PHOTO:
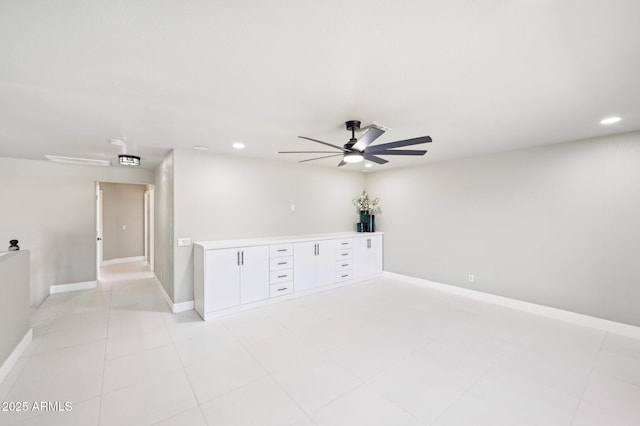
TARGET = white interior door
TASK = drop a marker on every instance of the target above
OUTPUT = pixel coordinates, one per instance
(146, 226)
(98, 229)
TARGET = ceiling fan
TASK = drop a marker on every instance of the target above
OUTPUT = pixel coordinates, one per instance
(357, 150)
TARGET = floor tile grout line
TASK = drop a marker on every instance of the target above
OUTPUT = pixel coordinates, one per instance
(586, 385)
(184, 371)
(266, 370)
(106, 344)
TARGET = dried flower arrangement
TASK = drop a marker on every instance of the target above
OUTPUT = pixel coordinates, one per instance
(363, 203)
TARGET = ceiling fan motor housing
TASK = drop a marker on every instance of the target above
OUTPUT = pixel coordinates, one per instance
(353, 125)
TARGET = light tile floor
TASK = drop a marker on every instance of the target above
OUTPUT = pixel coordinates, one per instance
(381, 352)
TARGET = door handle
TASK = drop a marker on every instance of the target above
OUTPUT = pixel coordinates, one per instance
(98, 239)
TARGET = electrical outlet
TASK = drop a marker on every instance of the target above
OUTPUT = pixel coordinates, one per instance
(472, 278)
(184, 242)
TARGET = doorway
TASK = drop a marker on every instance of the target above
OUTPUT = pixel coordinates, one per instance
(124, 231)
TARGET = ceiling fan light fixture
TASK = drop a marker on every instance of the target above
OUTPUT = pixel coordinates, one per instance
(353, 157)
(128, 160)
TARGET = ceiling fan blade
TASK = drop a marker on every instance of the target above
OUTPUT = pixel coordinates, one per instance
(369, 136)
(402, 152)
(374, 158)
(406, 142)
(323, 143)
(306, 152)
(342, 163)
(318, 158)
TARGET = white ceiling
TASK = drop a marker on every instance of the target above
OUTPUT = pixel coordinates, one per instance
(477, 76)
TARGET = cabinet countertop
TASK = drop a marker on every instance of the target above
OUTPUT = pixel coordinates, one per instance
(247, 242)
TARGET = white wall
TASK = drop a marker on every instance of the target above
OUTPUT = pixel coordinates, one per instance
(122, 205)
(556, 225)
(226, 197)
(163, 226)
(50, 208)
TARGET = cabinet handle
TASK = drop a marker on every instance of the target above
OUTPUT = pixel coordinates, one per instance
(282, 276)
(345, 254)
(282, 263)
(242, 258)
(283, 288)
(281, 250)
(345, 264)
(318, 249)
(344, 244)
(238, 261)
(345, 276)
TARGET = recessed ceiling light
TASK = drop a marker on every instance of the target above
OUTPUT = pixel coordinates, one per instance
(610, 120)
(201, 148)
(238, 145)
(129, 160)
(368, 165)
(78, 161)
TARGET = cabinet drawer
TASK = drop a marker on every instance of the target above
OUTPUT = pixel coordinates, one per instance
(281, 276)
(281, 289)
(342, 265)
(280, 250)
(343, 275)
(344, 244)
(343, 254)
(278, 263)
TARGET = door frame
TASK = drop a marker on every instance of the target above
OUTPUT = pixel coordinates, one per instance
(148, 231)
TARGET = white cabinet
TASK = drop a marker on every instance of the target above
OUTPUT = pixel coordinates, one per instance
(234, 276)
(314, 264)
(367, 256)
(240, 274)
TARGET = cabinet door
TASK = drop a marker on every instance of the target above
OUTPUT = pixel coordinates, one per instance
(222, 279)
(375, 255)
(367, 256)
(304, 266)
(360, 257)
(326, 262)
(254, 273)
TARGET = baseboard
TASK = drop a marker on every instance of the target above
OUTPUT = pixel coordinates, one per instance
(176, 308)
(546, 311)
(17, 352)
(63, 288)
(122, 260)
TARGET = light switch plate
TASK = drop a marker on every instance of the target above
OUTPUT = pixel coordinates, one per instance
(184, 242)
